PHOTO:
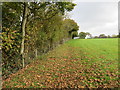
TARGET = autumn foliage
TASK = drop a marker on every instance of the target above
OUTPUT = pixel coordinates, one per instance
(32, 29)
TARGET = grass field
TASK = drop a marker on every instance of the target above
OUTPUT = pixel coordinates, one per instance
(80, 63)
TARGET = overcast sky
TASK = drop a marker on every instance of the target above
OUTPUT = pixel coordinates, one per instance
(96, 17)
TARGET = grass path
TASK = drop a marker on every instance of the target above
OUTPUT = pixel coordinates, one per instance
(75, 64)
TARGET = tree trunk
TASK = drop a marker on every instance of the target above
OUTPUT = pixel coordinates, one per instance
(23, 25)
(36, 53)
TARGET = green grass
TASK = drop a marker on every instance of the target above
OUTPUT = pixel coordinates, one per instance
(77, 63)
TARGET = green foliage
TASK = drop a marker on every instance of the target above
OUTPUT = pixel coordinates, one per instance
(45, 28)
(115, 36)
(118, 36)
(70, 26)
(74, 34)
(11, 38)
(108, 36)
(102, 36)
(82, 35)
(65, 6)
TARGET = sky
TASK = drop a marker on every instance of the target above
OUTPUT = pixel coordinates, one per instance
(96, 17)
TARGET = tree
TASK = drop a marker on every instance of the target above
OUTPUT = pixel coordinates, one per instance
(90, 35)
(82, 35)
(118, 36)
(70, 26)
(108, 36)
(33, 28)
(114, 36)
(23, 25)
(96, 37)
(74, 34)
(102, 36)
(11, 37)
(48, 9)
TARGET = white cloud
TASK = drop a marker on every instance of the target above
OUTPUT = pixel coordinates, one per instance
(96, 18)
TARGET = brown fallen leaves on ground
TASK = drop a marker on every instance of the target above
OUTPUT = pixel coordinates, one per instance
(63, 69)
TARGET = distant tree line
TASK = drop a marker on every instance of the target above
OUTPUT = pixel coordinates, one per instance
(107, 36)
(31, 29)
(83, 35)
